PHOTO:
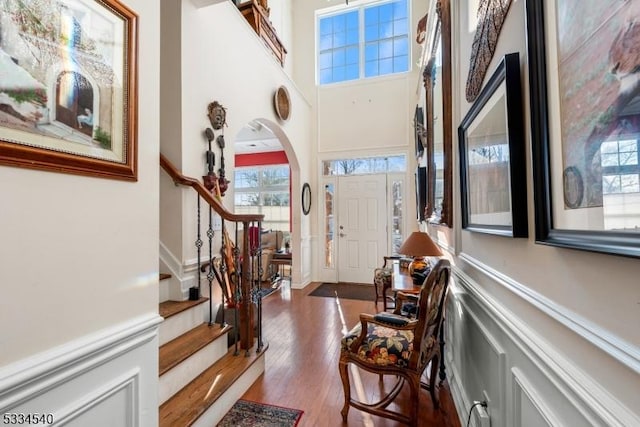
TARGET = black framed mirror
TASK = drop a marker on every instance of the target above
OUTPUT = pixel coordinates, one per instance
(438, 121)
(306, 198)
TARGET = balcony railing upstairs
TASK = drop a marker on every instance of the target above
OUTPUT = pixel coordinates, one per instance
(237, 271)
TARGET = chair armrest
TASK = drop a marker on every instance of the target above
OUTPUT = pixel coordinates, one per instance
(366, 319)
(391, 319)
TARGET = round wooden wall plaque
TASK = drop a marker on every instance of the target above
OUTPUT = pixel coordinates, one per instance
(282, 103)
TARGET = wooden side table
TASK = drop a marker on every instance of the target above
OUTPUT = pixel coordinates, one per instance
(280, 260)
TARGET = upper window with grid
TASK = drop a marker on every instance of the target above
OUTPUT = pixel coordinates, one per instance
(367, 41)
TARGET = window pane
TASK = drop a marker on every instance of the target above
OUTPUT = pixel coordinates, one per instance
(400, 64)
(400, 27)
(371, 68)
(339, 74)
(371, 16)
(370, 33)
(352, 37)
(609, 147)
(353, 71)
(386, 30)
(629, 145)
(339, 23)
(339, 57)
(371, 52)
(352, 55)
(400, 9)
(326, 76)
(396, 164)
(247, 199)
(339, 39)
(386, 49)
(386, 66)
(328, 225)
(630, 183)
(325, 60)
(386, 12)
(246, 178)
(326, 42)
(628, 159)
(400, 47)
(326, 26)
(352, 20)
(609, 159)
(610, 184)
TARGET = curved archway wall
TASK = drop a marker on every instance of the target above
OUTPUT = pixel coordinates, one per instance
(294, 183)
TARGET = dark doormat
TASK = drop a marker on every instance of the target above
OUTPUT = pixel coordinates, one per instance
(360, 291)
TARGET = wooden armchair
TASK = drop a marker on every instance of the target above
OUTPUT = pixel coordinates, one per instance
(400, 346)
(382, 278)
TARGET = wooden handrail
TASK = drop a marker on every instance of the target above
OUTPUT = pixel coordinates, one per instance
(178, 178)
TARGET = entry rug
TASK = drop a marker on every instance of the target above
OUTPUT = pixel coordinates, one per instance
(244, 413)
(360, 291)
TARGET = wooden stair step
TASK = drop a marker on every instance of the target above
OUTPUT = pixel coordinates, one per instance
(170, 308)
(179, 349)
(186, 406)
(164, 276)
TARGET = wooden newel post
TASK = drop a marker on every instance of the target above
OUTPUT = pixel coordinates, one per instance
(246, 307)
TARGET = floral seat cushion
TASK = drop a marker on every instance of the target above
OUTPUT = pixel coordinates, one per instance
(382, 346)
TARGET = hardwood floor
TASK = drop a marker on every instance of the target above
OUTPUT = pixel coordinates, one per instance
(304, 334)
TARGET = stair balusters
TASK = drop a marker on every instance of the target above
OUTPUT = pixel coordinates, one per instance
(244, 289)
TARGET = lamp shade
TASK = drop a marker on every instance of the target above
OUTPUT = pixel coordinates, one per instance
(419, 244)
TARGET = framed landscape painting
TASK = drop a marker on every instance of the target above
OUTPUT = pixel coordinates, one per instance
(68, 83)
(585, 123)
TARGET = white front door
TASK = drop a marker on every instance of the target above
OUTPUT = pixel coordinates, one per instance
(362, 226)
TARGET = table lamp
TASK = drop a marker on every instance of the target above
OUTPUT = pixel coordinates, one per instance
(418, 246)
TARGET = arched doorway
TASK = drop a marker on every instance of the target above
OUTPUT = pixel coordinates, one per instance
(273, 138)
(74, 101)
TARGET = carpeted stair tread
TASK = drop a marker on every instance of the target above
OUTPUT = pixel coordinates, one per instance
(170, 308)
(187, 405)
(180, 348)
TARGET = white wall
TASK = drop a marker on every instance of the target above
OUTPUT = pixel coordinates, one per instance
(550, 333)
(79, 256)
(222, 59)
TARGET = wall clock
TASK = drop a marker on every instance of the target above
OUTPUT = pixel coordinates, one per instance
(306, 198)
(282, 103)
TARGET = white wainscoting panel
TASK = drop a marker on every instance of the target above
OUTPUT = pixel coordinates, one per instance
(527, 382)
(529, 407)
(108, 378)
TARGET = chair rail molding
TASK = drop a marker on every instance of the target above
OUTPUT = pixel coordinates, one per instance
(606, 341)
(28, 379)
(588, 398)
